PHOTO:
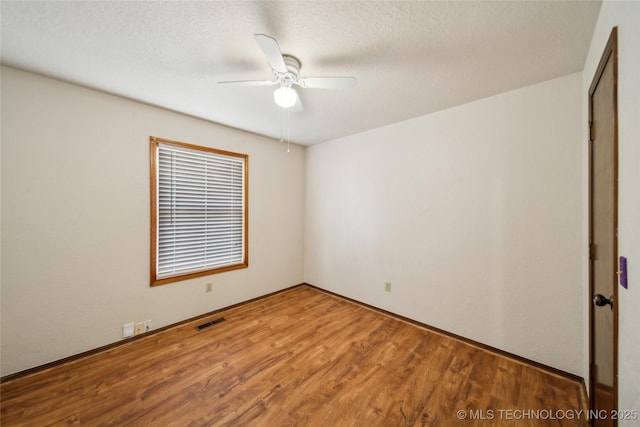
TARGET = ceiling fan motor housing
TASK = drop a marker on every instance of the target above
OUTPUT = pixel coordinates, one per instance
(293, 70)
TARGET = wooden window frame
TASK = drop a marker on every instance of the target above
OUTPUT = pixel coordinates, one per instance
(155, 280)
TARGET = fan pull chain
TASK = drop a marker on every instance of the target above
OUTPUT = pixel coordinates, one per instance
(281, 126)
(282, 123)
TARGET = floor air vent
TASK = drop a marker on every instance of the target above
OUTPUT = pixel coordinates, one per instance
(210, 324)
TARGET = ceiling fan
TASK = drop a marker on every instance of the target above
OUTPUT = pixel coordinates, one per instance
(286, 71)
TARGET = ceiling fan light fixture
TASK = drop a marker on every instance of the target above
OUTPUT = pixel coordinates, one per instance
(285, 96)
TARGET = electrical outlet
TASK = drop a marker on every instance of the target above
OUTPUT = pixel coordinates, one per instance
(139, 328)
(209, 287)
(387, 286)
(127, 330)
(147, 325)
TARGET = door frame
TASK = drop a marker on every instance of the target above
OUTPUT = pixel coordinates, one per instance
(610, 52)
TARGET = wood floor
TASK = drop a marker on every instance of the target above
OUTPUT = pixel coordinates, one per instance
(301, 357)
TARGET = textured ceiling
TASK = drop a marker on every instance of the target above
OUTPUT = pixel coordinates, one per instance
(410, 58)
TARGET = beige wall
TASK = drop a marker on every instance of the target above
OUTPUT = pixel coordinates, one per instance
(473, 213)
(75, 219)
(626, 16)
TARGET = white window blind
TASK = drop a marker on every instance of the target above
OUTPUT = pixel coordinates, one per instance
(200, 210)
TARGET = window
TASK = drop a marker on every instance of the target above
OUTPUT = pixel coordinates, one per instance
(198, 211)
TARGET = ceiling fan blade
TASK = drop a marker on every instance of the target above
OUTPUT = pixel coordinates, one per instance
(327, 82)
(249, 83)
(271, 50)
